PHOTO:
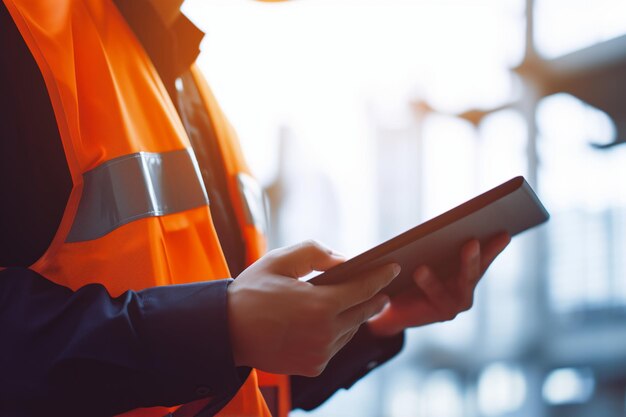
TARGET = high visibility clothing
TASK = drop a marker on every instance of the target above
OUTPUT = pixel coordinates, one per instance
(138, 213)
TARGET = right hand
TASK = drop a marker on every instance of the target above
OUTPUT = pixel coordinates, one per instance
(282, 325)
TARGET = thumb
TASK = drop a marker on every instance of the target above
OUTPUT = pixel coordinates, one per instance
(303, 258)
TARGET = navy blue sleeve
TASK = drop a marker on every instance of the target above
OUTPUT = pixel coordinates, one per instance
(85, 353)
(361, 355)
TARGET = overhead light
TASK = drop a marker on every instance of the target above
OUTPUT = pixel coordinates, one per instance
(568, 386)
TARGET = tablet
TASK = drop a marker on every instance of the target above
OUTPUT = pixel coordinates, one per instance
(511, 207)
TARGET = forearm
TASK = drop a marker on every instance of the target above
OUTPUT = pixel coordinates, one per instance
(85, 353)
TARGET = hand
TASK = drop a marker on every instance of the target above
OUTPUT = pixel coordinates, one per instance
(282, 325)
(434, 298)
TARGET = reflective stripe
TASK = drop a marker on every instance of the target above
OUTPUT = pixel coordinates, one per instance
(136, 186)
(254, 200)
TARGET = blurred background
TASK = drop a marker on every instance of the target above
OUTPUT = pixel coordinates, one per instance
(363, 118)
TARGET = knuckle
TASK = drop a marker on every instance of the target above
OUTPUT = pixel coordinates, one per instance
(364, 315)
(275, 254)
(370, 286)
(320, 369)
(278, 251)
(450, 315)
(317, 309)
(347, 337)
(321, 308)
(369, 312)
(313, 371)
(311, 245)
(334, 304)
(305, 369)
(324, 335)
(315, 365)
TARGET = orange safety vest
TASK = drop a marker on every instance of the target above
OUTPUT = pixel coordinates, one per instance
(138, 213)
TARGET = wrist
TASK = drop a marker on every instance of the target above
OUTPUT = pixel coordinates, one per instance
(235, 342)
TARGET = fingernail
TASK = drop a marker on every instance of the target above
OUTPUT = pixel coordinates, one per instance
(336, 254)
(396, 269)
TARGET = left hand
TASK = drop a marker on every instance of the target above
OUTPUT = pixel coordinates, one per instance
(434, 298)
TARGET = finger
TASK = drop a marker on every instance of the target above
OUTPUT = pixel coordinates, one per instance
(392, 321)
(360, 288)
(359, 314)
(436, 292)
(470, 264)
(344, 340)
(303, 258)
(493, 248)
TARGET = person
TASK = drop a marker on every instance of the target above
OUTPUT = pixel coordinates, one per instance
(127, 209)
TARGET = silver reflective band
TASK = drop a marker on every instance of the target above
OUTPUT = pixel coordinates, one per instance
(254, 200)
(136, 186)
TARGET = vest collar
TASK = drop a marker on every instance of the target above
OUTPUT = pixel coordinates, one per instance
(172, 49)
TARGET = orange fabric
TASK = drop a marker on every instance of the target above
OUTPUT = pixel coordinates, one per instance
(256, 244)
(174, 249)
(284, 390)
(108, 102)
